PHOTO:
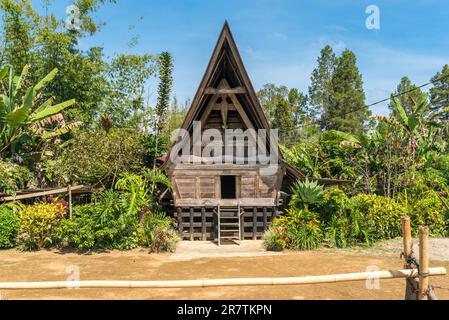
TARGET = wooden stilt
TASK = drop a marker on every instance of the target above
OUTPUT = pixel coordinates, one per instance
(423, 262)
(191, 224)
(203, 224)
(179, 216)
(254, 223)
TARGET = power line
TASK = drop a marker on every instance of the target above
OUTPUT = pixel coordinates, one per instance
(408, 91)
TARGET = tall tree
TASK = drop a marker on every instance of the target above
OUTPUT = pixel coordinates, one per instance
(298, 102)
(408, 95)
(267, 97)
(44, 42)
(283, 119)
(319, 90)
(165, 64)
(439, 93)
(127, 77)
(347, 110)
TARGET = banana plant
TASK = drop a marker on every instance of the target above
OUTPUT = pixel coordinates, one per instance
(19, 114)
(419, 124)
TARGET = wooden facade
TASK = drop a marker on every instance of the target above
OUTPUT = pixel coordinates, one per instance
(236, 198)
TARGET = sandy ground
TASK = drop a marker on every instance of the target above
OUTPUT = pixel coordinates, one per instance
(202, 261)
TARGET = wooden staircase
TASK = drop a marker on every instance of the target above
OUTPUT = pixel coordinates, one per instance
(229, 225)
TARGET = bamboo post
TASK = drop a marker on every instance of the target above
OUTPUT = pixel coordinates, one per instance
(411, 285)
(423, 262)
(407, 237)
(348, 277)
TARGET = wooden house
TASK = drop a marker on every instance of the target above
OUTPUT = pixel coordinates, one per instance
(234, 200)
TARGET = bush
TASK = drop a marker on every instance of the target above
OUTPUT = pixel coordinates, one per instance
(13, 177)
(38, 225)
(299, 229)
(9, 228)
(97, 156)
(382, 215)
(275, 239)
(100, 225)
(159, 233)
(429, 210)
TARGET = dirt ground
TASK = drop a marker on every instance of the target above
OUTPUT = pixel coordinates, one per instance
(244, 262)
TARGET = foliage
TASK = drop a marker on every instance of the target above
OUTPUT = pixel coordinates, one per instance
(159, 233)
(25, 117)
(383, 215)
(165, 66)
(13, 177)
(320, 88)
(347, 110)
(9, 228)
(38, 225)
(299, 229)
(121, 218)
(306, 193)
(98, 157)
(128, 75)
(429, 210)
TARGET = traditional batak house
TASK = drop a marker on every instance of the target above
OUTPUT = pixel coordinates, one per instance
(226, 196)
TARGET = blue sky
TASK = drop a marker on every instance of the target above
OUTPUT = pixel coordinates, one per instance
(281, 40)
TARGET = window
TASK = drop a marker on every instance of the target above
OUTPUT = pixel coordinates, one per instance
(228, 187)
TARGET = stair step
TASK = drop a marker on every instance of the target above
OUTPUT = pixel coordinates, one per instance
(230, 230)
(229, 224)
(229, 237)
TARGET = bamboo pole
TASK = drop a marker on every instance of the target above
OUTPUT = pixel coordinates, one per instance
(411, 284)
(362, 276)
(407, 237)
(423, 262)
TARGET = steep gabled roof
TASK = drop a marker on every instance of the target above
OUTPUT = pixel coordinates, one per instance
(226, 63)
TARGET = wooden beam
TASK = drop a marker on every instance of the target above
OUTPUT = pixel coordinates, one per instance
(45, 193)
(237, 90)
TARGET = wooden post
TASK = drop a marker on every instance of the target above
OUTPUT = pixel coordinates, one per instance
(69, 190)
(180, 226)
(191, 224)
(407, 238)
(265, 219)
(411, 285)
(203, 223)
(423, 262)
(254, 223)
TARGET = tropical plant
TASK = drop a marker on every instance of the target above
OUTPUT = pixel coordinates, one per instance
(25, 117)
(38, 225)
(9, 228)
(306, 193)
(159, 233)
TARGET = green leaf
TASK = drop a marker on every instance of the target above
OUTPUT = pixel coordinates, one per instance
(49, 77)
(17, 117)
(50, 110)
(3, 72)
(18, 81)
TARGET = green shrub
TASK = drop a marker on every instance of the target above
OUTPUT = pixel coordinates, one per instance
(98, 156)
(299, 229)
(275, 239)
(429, 210)
(382, 215)
(13, 177)
(159, 233)
(100, 225)
(38, 225)
(9, 228)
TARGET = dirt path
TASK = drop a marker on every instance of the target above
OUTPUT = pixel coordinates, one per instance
(139, 265)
